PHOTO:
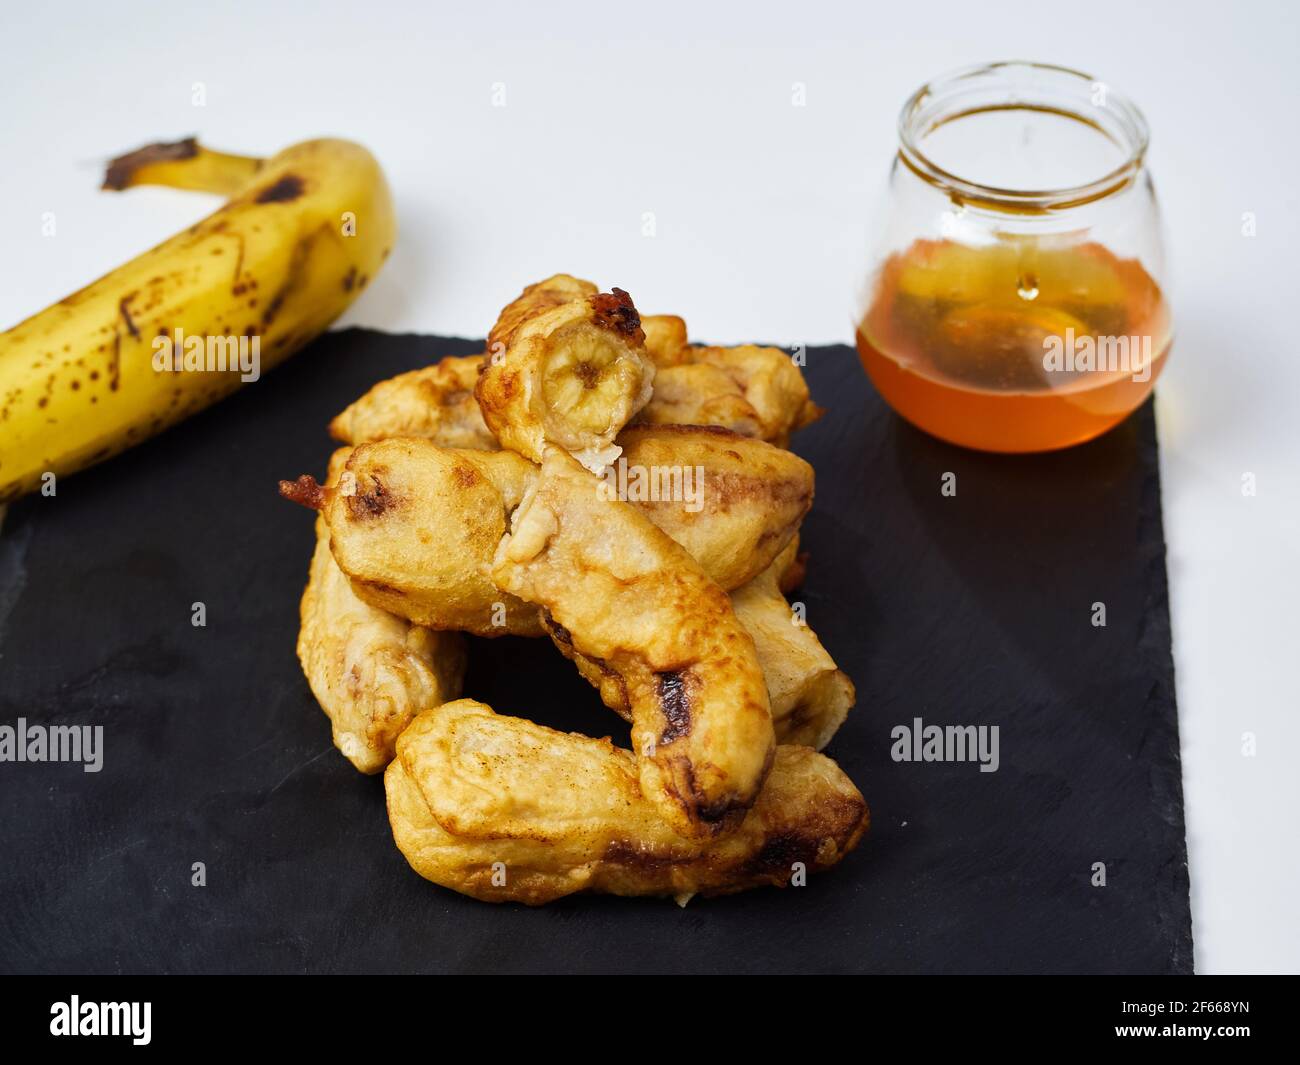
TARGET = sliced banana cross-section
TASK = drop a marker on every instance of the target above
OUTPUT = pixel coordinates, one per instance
(566, 365)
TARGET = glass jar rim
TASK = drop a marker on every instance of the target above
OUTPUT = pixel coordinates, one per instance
(1108, 111)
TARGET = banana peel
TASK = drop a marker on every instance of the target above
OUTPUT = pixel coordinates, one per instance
(301, 236)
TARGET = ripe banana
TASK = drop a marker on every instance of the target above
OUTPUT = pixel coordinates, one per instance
(566, 365)
(302, 235)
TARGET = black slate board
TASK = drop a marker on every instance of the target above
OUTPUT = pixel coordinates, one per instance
(973, 609)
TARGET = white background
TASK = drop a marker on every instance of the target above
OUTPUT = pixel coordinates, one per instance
(684, 110)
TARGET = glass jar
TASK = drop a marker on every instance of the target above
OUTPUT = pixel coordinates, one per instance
(1015, 295)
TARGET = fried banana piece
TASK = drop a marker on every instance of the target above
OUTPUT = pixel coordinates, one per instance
(371, 671)
(427, 558)
(756, 392)
(773, 384)
(810, 696)
(436, 402)
(700, 394)
(665, 339)
(628, 597)
(567, 366)
(504, 810)
(536, 299)
(751, 498)
(415, 526)
(752, 390)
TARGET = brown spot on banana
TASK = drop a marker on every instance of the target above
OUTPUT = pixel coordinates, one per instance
(287, 189)
(107, 329)
(124, 309)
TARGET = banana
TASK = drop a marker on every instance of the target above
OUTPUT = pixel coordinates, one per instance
(566, 365)
(436, 402)
(185, 324)
(665, 339)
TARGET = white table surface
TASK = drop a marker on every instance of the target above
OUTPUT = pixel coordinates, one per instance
(684, 110)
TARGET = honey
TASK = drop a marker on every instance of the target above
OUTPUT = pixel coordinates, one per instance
(1025, 344)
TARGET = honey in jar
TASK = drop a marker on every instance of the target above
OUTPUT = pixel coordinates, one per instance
(1021, 345)
(1014, 298)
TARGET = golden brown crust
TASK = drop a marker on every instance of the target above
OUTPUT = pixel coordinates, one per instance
(537, 298)
(630, 583)
(566, 366)
(370, 670)
(418, 534)
(418, 526)
(501, 809)
(699, 394)
(630, 597)
(755, 391)
(436, 402)
(753, 496)
(810, 696)
(773, 384)
(665, 338)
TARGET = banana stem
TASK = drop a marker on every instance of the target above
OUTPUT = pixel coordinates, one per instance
(183, 164)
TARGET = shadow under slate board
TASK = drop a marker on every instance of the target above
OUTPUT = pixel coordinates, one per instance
(973, 609)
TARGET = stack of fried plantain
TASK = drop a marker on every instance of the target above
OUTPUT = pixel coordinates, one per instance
(592, 478)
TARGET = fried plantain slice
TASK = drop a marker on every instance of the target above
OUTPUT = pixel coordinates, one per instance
(502, 809)
(625, 595)
(753, 390)
(757, 392)
(436, 402)
(418, 534)
(750, 497)
(566, 366)
(414, 526)
(809, 694)
(700, 394)
(370, 670)
(665, 338)
(538, 298)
